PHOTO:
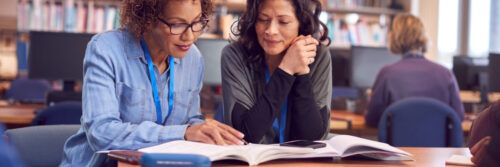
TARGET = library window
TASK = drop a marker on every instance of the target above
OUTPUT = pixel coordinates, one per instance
(448, 26)
(495, 27)
(479, 28)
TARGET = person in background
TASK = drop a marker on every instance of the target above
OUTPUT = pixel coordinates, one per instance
(413, 75)
(276, 77)
(142, 82)
(484, 140)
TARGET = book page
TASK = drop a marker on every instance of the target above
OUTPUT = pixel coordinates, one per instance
(252, 153)
(349, 145)
(327, 151)
(213, 152)
(263, 153)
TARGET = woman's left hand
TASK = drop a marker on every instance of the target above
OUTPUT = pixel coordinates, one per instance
(299, 55)
(479, 150)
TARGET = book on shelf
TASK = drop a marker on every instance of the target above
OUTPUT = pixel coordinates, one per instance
(363, 32)
(337, 147)
(356, 3)
(82, 16)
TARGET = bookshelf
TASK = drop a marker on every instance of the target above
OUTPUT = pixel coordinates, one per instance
(361, 22)
(73, 16)
(365, 10)
(232, 5)
(7, 23)
(8, 61)
(78, 16)
(350, 22)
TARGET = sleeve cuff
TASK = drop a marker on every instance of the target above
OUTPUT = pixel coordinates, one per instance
(172, 132)
(195, 121)
(284, 74)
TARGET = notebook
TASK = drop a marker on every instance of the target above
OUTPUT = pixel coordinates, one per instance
(459, 160)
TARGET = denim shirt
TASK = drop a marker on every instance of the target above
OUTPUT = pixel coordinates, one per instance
(118, 107)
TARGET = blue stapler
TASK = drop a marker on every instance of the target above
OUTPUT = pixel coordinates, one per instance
(174, 160)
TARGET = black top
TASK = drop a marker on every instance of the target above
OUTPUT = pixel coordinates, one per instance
(251, 105)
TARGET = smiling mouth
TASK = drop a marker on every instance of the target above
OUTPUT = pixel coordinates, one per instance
(183, 47)
(272, 42)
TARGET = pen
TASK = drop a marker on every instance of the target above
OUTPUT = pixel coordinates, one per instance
(244, 142)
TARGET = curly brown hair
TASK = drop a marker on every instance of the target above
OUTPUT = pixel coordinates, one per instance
(138, 16)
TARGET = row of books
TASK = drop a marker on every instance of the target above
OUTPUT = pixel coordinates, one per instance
(363, 32)
(356, 3)
(82, 16)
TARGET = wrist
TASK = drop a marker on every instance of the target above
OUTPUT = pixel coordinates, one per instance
(285, 69)
(186, 132)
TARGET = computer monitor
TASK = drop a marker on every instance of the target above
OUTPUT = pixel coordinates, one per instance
(471, 73)
(366, 62)
(57, 55)
(211, 49)
(340, 66)
(494, 72)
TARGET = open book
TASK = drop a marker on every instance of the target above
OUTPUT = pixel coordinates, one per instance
(254, 154)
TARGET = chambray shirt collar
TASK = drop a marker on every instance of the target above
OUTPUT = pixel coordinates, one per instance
(134, 51)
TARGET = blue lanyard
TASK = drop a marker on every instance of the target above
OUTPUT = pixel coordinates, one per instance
(154, 86)
(280, 127)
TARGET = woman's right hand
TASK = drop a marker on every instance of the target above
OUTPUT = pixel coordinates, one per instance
(214, 132)
(299, 55)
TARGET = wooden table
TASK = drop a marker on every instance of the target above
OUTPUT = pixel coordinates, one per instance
(18, 114)
(424, 156)
(474, 96)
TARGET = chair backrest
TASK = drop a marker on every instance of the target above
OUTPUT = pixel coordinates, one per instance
(28, 90)
(54, 97)
(41, 145)
(8, 154)
(66, 112)
(420, 122)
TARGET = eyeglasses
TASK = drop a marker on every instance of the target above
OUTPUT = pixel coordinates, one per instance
(179, 28)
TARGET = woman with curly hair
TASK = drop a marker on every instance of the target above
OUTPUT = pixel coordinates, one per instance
(142, 83)
(276, 77)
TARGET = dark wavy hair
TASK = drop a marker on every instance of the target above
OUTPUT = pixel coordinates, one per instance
(139, 16)
(307, 12)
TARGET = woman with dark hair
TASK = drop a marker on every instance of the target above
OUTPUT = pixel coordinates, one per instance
(276, 77)
(142, 82)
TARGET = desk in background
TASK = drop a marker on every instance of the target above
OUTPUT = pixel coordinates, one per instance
(424, 156)
(18, 115)
(345, 122)
(474, 96)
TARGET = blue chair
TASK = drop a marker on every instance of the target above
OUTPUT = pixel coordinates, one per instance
(8, 154)
(66, 112)
(28, 90)
(41, 146)
(54, 97)
(420, 122)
